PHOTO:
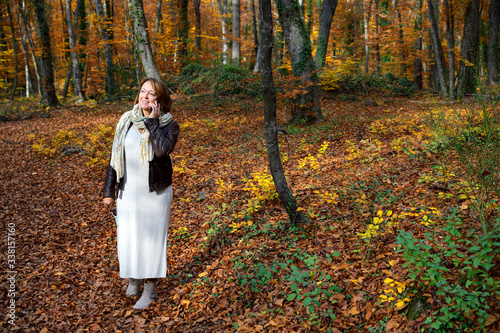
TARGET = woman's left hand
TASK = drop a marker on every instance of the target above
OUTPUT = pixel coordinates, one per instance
(154, 110)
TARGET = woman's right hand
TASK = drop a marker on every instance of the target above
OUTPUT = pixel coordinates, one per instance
(108, 201)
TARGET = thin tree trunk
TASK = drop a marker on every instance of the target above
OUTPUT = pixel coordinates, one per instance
(269, 93)
(417, 62)
(157, 23)
(108, 54)
(365, 30)
(450, 37)
(183, 30)
(142, 39)
(77, 75)
(438, 50)
(493, 48)
(197, 13)
(44, 35)
(255, 36)
(325, 23)
(468, 72)
(225, 43)
(69, 73)
(400, 40)
(236, 45)
(303, 66)
(24, 47)
(16, 50)
(377, 32)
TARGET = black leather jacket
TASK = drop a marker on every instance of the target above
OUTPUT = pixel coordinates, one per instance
(160, 168)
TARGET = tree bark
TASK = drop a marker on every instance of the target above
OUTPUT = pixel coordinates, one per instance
(269, 93)
(402, 68)
(325, 23)
(377, 32)
(417, 62)
(236, 45)
(77, 75)
(108, 54)
(197, 12)
(44, 36)
(255, 36)
(183, 30)
(365, 31)
(468, 72)
(493, 48)
(142, 39)
(450, 37)
(225, 43)
(438, 50)
(16, 50)
(157, 23)
(299, 50)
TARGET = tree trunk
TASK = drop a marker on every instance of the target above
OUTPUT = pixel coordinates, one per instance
(325, 23)
(450, 37)
(417, 62)
(77, 75)
(108, 54)
(157, 23)
(493, 49)
(255, 36)
(236, 45)
(69, 73)
(225, 43)
(377, 32)
(24, 47)
(402, 68)
(183, 30)
(142, 39)
(44, 35)
(16, 50)
(468, 72)
(299, 50)
(438, 50)
(269, 93)
(197, 4)
(365, 30)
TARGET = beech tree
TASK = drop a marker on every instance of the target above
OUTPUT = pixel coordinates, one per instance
(142, 39)
(236, 47)
(44, 36)
(266, 37)
(493, 49)
(303, 66)
(108, 55)
(77, 75)
(325, 23)
(438, 50)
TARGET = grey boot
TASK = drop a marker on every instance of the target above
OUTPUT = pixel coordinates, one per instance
(133, 287)
(148, 295)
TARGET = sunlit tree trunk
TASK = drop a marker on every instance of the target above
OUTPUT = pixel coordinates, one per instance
(142, 39)
(197, 12)
(493, 47)
(108, 54)
(30, 45)
(236, 45)
(325, 23)
(271, 128)
(225, 43)
(44, 36)
(365, 30)
(157, 23)
(417, 62)
(77, 75)
(469, 54)
(450, 37)
(438, 50)
(303, 66)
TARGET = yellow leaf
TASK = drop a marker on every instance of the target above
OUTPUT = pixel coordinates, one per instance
(388, 280)
(203, 274)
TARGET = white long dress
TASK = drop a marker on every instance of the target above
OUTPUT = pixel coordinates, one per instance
(142, 217)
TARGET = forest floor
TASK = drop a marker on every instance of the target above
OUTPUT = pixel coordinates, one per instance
(235, 262)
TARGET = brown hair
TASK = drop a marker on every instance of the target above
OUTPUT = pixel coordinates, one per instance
(162, 92)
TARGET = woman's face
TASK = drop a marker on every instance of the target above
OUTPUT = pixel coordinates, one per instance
(147, 96)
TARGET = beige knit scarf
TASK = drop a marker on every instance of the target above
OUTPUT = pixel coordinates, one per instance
(118, 151)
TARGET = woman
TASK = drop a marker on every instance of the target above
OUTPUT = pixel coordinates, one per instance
(141, 170)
